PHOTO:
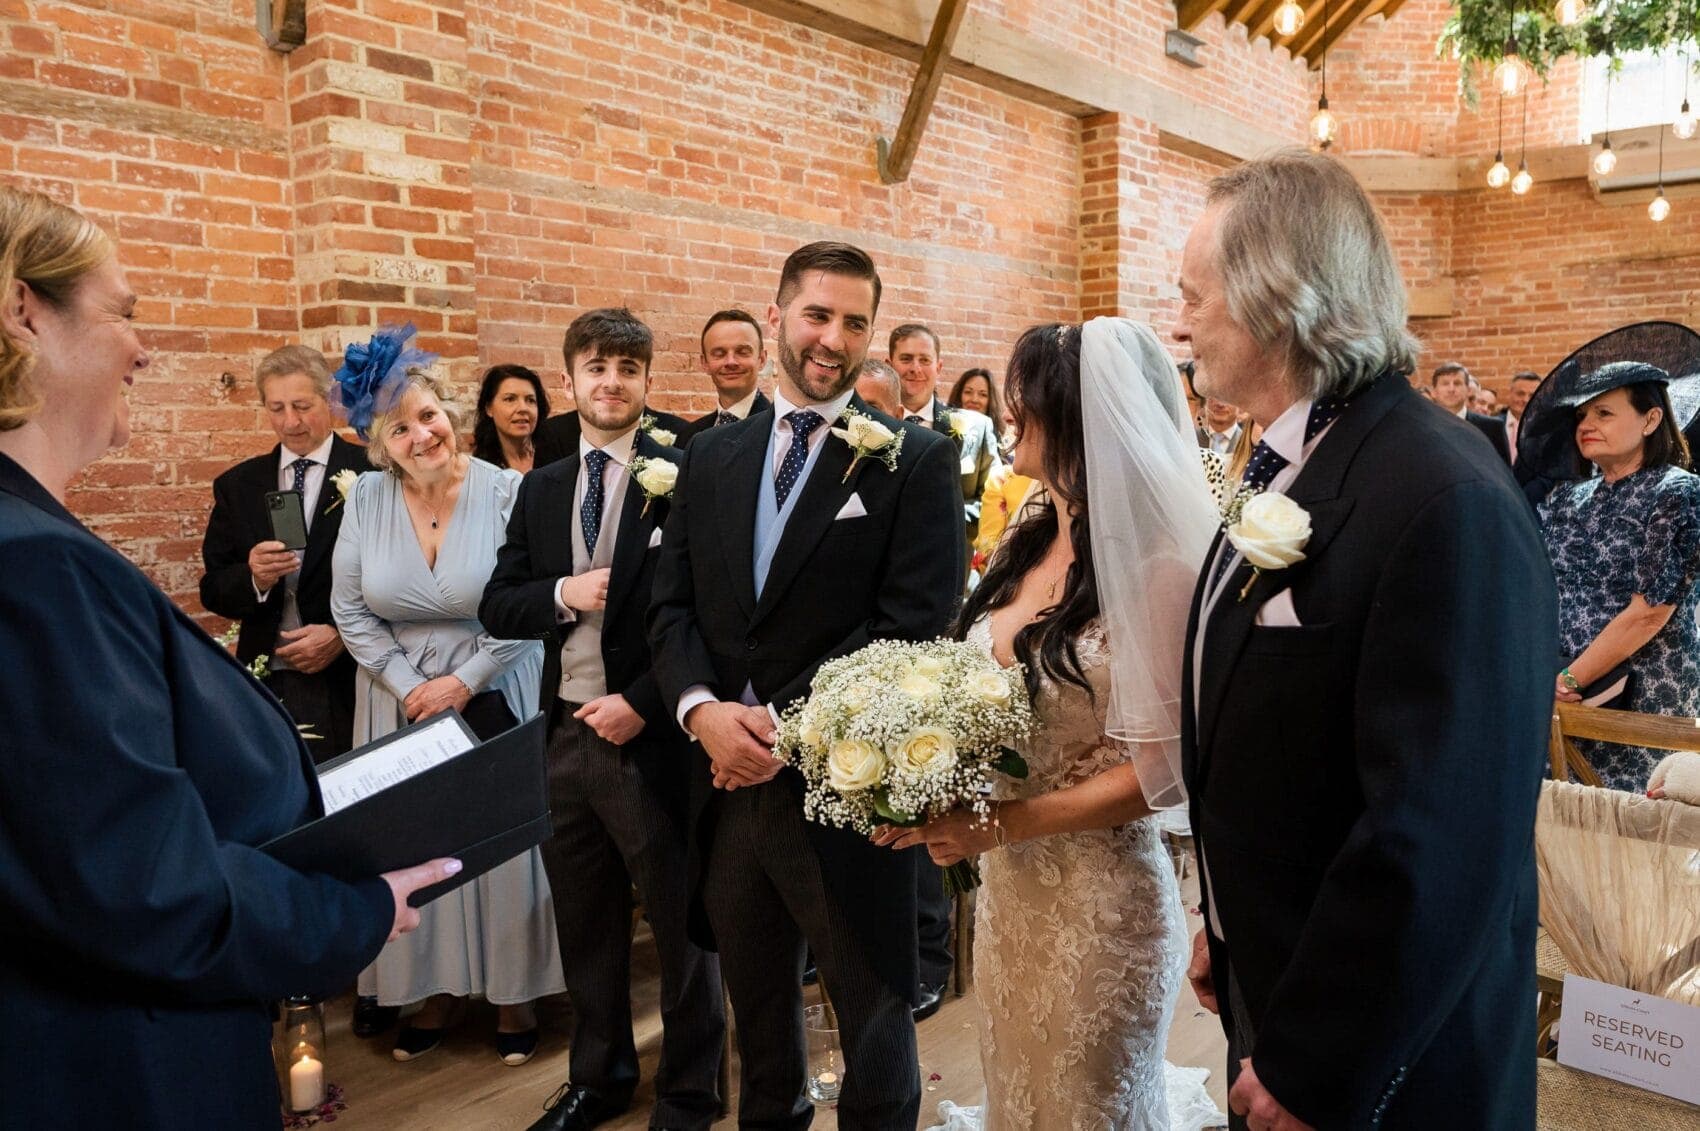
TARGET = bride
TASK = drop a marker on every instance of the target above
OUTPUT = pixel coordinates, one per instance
(1080, 937)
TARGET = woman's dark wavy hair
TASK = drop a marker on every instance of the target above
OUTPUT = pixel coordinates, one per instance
(1042, 382)
(994, 405)
(1666, 447)
(486, 444)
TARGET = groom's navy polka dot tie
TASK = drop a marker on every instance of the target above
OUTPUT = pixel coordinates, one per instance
(803, 422)
(1266, 463)
(590, 511)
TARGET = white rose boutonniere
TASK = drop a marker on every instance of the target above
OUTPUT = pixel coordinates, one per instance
(656, 478)
(853, 764)
(1271, 531)
(958, 424)
(647, 424)
(868, 437)
(343, 481)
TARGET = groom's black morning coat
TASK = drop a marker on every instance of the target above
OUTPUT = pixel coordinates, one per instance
(1363, 786)
(835, 585)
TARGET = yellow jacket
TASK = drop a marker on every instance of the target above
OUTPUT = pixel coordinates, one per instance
(1005, 492)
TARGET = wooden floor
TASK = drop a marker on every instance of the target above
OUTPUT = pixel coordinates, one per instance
(463, 1086)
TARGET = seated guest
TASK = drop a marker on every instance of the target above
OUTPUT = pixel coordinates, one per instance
(143, 927)
(878, 384)
(1625, 546)
(576, 571)
(418, 543)
(975, 392)
(733, 357)
(510, 403)
(1449, 387)
(1220, 427)
(281, 596)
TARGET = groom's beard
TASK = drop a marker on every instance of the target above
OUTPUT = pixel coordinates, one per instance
(819, 390)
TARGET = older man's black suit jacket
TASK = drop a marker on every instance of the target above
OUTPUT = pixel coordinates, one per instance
(835, 585)
(1363, 785)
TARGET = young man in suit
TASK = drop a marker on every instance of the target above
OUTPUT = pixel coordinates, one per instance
(557, 438)
(282, 597)
(576, 571)
(733, 357)
(1450, 383)
(1364, 821)
(776, 558)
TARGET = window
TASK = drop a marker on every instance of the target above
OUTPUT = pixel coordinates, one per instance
(1647, 91)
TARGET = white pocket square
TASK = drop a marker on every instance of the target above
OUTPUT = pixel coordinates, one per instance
(1278, 611)
(852, 508)
(655, 538)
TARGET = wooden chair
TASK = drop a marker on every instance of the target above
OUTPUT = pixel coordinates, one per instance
(1573, 720)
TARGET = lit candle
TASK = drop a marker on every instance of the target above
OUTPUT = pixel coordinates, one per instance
(306, 1084)
(827, 1078)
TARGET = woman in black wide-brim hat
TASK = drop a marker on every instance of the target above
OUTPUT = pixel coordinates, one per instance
(1622, 524)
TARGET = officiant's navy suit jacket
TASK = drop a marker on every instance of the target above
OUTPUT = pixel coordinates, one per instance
(1363, 784)
(141, 932)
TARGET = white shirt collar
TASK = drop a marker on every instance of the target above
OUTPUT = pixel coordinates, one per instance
(742, 408)
(320, 455)
(1286, 433)
(619, 450)
(926, 412)
(1463, 412)
(831, 410)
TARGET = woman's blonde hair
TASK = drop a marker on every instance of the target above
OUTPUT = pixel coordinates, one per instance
(377, 454)
(50, 248)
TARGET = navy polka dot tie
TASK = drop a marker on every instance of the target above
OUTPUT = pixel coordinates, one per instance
(725, 418)
(916, 418)
(590, 511)
(299, 467)
(1266, 463)
(803, 422)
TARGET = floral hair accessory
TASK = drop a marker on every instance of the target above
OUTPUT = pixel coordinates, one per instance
(373, 375)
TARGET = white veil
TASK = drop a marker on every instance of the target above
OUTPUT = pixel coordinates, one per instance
(1152, 522)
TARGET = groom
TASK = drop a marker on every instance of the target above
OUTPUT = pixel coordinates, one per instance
(778, 556)
(1365, 819)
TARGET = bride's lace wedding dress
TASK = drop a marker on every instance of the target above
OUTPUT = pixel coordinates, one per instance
(1079, 951)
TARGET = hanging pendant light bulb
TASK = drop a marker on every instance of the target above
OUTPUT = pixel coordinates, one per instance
(1685, 122)
(1522, 182)
(1659, 209)
(1289, 18)
(1605, 160)
(1499, 176)
(1569, 12)
(1324, 127)
(1511, 74)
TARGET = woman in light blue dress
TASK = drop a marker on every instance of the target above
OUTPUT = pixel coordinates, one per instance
(418, 543)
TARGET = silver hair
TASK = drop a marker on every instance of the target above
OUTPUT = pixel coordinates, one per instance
(1308, 271)
(880, 371)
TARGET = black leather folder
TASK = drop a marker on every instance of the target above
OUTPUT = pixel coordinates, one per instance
(483, 807)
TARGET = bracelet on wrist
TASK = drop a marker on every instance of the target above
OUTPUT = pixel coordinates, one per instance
(997, 825)
(1569, 681)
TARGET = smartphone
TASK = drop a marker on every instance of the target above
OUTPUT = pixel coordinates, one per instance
(289, 523)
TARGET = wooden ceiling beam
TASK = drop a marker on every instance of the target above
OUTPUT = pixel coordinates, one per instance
(896, 156)
(1190, 13)
(1364, 10)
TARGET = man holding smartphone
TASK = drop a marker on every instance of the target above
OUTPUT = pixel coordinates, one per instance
(268, 549)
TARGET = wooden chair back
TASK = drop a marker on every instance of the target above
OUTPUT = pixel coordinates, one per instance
(1573, 720)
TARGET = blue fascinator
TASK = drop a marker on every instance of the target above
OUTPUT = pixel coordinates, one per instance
(373, 375)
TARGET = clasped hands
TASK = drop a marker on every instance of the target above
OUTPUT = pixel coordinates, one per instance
(738, 740)
(949, 839)
(444, 693)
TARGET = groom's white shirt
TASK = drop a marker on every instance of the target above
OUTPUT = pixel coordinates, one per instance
(781, 440)
(1286, 434)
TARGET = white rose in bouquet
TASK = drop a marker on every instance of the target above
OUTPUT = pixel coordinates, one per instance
(930, 666)
(856, 698)
(1272, 531)
(917, 686)
(809, 731)
(924, 750)
(853, 764)
(992, 687)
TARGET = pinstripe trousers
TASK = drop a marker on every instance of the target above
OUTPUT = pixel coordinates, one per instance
(765, 896)
(611, 832)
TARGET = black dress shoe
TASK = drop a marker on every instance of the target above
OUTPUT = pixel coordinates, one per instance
(574, 1107)
(370, 1018)
(928, 1004)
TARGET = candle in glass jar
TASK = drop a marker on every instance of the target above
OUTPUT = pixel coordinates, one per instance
(306, 1084)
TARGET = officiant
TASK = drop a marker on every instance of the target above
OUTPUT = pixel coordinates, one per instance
(143, 930)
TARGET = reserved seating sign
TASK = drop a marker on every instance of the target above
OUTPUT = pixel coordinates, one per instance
(1641, 1039)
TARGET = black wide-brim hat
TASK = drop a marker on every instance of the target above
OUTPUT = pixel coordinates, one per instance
(1666, 352)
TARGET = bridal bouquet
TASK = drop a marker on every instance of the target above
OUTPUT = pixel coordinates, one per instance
(901, 732)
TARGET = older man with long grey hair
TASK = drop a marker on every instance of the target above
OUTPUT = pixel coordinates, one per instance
(1364, 820)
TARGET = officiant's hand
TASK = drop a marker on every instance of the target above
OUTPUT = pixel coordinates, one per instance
(1263, 1111)
(585, 592)
(406, 881)
(1198, 973)
(948, 839)
(612, 718)
(738, 741)
(444, 693)
(310, 648)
